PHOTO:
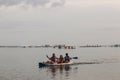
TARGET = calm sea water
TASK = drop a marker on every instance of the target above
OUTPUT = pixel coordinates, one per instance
(22, 64)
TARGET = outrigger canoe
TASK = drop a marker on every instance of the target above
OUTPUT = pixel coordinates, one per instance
(43, 64)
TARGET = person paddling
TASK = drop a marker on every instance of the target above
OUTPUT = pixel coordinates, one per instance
(53, 58)
(67, 58)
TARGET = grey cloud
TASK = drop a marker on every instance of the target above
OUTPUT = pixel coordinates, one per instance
(60, 3)
(31, 2)
(17, 2)
(37, 2)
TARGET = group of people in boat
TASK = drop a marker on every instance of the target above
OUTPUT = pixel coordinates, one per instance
(61, 59)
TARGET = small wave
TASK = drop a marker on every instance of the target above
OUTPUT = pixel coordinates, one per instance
(86, 63)
(113, 60)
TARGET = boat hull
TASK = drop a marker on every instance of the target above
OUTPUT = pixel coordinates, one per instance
(43, 64)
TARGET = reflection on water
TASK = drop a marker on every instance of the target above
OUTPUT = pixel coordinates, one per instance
(55, 71)
(60, 69)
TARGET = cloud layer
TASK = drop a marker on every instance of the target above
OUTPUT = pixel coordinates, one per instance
(52, 3)
(55, 3)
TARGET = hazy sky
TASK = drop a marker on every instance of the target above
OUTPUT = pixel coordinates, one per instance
(36, 22)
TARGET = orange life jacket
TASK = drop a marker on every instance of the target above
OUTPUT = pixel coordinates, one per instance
(60, 60)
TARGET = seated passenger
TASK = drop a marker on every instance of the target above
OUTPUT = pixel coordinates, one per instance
(67, 58)
(60, 59)
(53, 58)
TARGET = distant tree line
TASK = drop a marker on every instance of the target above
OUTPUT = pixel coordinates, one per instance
(116, 45)
(63, 46)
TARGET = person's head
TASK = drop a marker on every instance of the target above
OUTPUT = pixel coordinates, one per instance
(66, 54)
(61, 56)
(53, 54)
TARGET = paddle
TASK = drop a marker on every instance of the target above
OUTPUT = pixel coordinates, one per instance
(47, 56)
(74, 57)
(57, 58)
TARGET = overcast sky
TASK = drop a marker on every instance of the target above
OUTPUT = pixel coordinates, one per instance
(78, 22)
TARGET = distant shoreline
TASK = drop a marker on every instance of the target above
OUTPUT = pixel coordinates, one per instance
(61, 46)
